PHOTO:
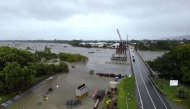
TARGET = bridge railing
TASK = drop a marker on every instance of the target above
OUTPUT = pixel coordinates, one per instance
(152, 74)
(135, 91)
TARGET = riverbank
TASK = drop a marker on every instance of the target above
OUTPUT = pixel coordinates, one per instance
(21, 94)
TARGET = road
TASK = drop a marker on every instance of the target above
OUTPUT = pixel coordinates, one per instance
(149, 97)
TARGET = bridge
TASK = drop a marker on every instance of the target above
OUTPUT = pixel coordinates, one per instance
(148, 96)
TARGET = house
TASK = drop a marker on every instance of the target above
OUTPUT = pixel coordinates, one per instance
(82, 43)
(100, 44)
(92, 44)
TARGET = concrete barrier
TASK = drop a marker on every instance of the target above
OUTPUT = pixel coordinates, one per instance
(150, 75)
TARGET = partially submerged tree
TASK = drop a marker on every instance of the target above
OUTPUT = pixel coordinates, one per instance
(18, 68)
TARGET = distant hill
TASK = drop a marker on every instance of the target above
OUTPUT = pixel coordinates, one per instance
(177, 37)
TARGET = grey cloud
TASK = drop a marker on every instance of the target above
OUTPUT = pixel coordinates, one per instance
(77, 19)
(60, 9)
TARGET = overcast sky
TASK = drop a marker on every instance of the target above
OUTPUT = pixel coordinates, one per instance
(93, 19)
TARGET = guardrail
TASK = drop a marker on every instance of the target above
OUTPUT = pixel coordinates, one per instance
(138, 107)
(150, 75)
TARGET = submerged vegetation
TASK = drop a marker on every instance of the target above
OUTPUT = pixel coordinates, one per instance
(20, 68)
(91, 72)
(72, 57)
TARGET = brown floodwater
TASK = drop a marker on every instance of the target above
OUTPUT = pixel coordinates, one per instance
(150, 55)
(67, 82)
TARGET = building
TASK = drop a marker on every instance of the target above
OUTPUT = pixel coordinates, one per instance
(115, 45)
(82, 43)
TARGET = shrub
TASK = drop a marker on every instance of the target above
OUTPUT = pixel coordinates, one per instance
(91, 72)
(180, 92)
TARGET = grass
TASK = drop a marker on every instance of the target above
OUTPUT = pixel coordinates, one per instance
(126, 89)
(105, 106)
(170, 90)
(4, 97)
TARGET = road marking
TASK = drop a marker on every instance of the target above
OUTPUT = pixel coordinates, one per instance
(146, 87)
(137, 86)
(154, 87)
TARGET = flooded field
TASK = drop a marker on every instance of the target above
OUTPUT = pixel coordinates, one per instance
(99, 61)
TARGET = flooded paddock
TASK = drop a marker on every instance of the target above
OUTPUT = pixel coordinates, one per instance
(99, 61)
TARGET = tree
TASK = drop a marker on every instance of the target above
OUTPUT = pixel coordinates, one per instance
(183, 52)
(71, 57)
(175, 63)
(62, 67)
(46, 53)
(18, 68)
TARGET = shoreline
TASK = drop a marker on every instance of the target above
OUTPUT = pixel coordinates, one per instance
(10, 101)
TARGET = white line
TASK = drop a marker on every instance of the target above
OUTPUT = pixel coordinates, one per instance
(146, 88)
(155, 88)
(158, 94)
(137, 85)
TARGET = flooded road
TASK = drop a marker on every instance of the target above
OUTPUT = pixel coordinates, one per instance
(68, 82)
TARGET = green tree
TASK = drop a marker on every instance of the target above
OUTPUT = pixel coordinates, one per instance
(16, 76)
(62, 67)
(46, 53)
(71, 57)
(183, 52)
(175, 63)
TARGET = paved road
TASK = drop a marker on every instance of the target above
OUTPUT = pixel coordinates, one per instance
(149, 97)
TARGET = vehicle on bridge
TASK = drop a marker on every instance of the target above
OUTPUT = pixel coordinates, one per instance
(133, 59)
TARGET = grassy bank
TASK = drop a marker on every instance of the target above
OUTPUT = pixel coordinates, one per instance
(126, 89)
(170, 90)
(6, 96)
(105, 106)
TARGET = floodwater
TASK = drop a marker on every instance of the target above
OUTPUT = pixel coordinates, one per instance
(150, 55)
(67, 82)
